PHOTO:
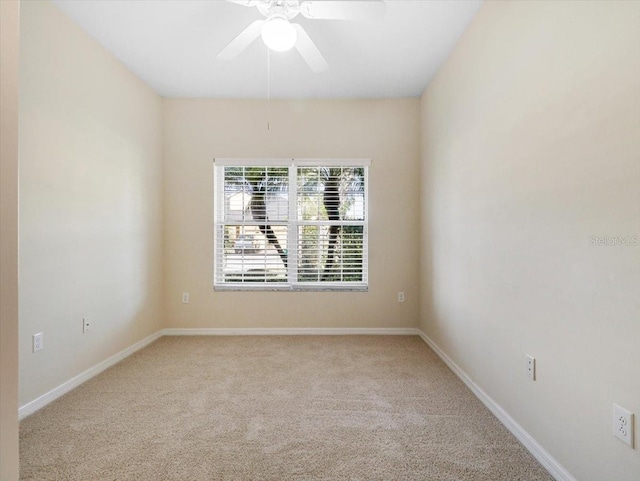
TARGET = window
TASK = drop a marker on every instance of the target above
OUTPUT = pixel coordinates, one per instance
(290, 224)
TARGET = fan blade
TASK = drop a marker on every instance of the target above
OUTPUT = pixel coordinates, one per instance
(343, 9)
(242, 41)
(245, 3)
(309, 51)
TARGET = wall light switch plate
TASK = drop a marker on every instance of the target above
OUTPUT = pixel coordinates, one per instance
(185, 298)
(86, 324)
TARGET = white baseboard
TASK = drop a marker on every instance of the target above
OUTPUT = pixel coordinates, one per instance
(293, 331)
(544, 458)
(72, 383)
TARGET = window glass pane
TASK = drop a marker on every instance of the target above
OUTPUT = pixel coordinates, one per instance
(353, 194)
(256, 199)
(331, 193)
(253, 253)
(330, 253)
(256, 194)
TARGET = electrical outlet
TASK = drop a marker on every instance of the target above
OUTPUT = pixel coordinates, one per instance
(86, 325)
(185, 298)
(531, 367)
(400, 296)
(623, 425)
(38, 342)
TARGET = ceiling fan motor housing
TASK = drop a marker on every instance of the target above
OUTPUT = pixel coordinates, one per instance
(284, 8)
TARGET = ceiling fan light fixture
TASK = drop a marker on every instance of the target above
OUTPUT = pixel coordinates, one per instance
(278, 34)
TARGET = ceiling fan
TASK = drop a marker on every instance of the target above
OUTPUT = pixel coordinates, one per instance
(280, 34)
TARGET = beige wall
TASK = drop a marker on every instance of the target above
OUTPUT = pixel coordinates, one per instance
(90, 202)
(531, 145)
(197, 131)
(9, 48)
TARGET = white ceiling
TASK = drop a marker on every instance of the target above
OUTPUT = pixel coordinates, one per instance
(172, 45)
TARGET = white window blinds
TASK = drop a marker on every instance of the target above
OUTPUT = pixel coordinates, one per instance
(291, 224)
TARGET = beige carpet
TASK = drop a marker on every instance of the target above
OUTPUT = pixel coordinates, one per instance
(273, 408)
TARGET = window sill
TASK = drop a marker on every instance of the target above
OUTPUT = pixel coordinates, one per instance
(297, 288)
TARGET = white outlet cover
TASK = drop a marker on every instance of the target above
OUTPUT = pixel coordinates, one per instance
(531, 367)
(623, 425)
(38, 342)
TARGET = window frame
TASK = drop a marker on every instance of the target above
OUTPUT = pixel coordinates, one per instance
(292, 224)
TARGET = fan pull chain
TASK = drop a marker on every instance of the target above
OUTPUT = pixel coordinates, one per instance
(268, 89)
